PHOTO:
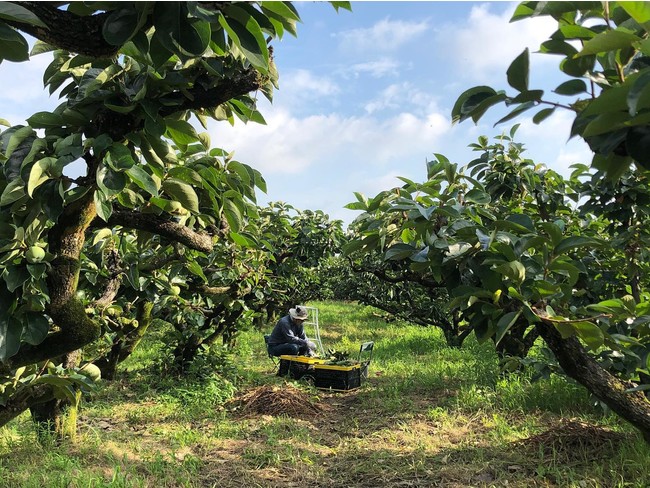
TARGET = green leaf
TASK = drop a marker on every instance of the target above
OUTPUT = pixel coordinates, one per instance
(577, 66)
(15, 277)
(102, 205)
(590, 333)
(37, 328)
(14, 191)
(133, 275)
(478, 196)
(558, 46)
(553, 231)
(637, 145)
(188, 175)
(352, 246)
(120, 26)
(182, 192)
(233, 215)
(251, 43)
(194, 36)
(575, 242)
(13, 46)
(519, 110)
(504, 324)
(565, 269)
(41, 47)
(282, 9)
(44, 120)
(62, 386)
(11, 11)
(571, 87)
(10, 333)
(518, 72)
(470, 100)
(565, 329)
(398, 252)
(640, 87)
(242, 241)
(527, 96)
(129, 199)
(610, 40)
(143, 179)
(513, 270)
(101, 235)
(119, 157)
(522, 220)
(17, 138)
(39, 174)
(181, 132)
(542, 115)
(639, 11)
(111, 182)
(195, 268)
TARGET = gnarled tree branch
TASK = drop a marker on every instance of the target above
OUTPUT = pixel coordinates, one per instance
(162, 227)
(69, 31)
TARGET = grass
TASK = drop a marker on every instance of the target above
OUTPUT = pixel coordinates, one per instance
(427, 416)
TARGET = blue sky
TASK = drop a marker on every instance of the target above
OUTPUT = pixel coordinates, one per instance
(366, 96)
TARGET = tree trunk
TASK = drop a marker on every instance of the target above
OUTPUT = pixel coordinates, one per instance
(50, 416)
(579, 365)
(27, 398)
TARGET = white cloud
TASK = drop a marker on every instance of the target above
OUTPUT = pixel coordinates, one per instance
(303, 83)
(290, 145)
(385, 35)
(377, 69)
(387, 181)
(487, 43)
(401, 95)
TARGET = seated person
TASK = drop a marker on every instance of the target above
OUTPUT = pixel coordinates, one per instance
(288, 336)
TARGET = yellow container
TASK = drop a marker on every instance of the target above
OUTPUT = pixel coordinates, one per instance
(302, 359)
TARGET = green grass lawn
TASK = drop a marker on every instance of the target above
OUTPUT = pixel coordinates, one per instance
(427, 416)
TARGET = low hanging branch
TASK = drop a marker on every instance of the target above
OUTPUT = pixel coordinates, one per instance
(633, 406)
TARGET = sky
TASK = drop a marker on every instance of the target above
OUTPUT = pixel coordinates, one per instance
(366, 96)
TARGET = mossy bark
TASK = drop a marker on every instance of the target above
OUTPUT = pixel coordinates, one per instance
(73, 328)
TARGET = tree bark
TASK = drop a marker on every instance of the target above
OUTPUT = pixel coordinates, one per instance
(163, 227)
(68, 31)
(17, 404)
(48, 416)
(75, 329)
(579, 365)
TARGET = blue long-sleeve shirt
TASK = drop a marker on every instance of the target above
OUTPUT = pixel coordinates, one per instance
(287, 331)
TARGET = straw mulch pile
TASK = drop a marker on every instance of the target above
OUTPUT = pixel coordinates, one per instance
(570, 439)
(276, 400)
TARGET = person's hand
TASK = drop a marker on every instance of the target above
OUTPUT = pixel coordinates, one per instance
(311, 345)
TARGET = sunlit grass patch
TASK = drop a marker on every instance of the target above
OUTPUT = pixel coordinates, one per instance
(428, 415)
